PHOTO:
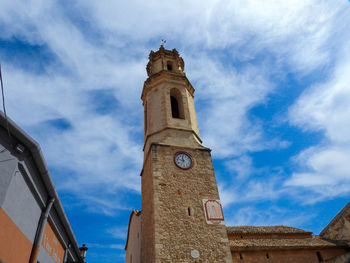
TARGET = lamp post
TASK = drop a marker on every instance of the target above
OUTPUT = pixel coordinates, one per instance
(83, 250)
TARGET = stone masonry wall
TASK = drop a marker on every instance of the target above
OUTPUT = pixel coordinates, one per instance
(176, 190)
(339, 228)
(147, 224)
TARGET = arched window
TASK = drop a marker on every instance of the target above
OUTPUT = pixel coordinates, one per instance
(177, 110)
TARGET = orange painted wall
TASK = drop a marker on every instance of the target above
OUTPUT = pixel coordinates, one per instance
(15, 247)
(52, 245)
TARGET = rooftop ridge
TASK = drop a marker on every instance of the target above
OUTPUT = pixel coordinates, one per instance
(282, 229)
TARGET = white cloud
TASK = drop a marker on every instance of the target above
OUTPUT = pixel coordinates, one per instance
(295, 31)
(253, 215)
(254, 190)
(328, 167)
(242, 167)
(118, 232)
(326, 108)
(227, 97)
(246, 184)
(98, 147)
(98, 151)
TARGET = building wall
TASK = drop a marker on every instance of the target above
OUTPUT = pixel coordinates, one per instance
(21, 206)
(329, 254)
(339, 228)
(155, 116)
(19, 212)
(51, 245)
(285, 256)
(189, 121)
(192, 112)
(147, 204)
(159, 115)
(133, 252)
(8, 165)
(44, 257)
(177, 233)
(345, 258)
(12, 240)
(23, 197)
(19, 221)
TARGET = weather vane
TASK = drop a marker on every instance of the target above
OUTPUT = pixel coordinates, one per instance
(163, 42)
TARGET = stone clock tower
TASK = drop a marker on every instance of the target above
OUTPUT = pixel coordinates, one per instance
(182, 218)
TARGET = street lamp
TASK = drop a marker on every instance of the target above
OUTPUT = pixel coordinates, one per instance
(83, 250)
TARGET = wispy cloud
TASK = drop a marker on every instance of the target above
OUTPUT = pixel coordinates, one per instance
(252, 215)
(112, 246)
(325, 107)
(118, 232)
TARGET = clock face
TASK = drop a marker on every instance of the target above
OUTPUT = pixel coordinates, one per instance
(183, 160)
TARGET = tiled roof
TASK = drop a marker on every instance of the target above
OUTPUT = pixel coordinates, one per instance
(289, 243)
(265, 230)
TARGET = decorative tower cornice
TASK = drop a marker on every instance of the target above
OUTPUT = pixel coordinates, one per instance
(163, 55)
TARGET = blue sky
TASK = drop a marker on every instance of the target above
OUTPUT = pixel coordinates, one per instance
(272, 100)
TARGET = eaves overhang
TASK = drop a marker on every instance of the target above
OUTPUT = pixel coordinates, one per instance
(20, 136)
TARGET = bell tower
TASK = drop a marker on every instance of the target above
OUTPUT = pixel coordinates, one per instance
(182, 218)
(167, 98)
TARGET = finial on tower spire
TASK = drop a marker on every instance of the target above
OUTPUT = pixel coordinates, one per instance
(163, 42)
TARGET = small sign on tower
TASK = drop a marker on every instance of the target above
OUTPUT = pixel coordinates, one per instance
(213, 212)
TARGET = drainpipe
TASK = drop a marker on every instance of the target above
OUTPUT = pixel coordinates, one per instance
(40, 232)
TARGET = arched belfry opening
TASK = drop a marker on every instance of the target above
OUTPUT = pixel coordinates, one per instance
(174, 107)
(169, 66)
(177, 110)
